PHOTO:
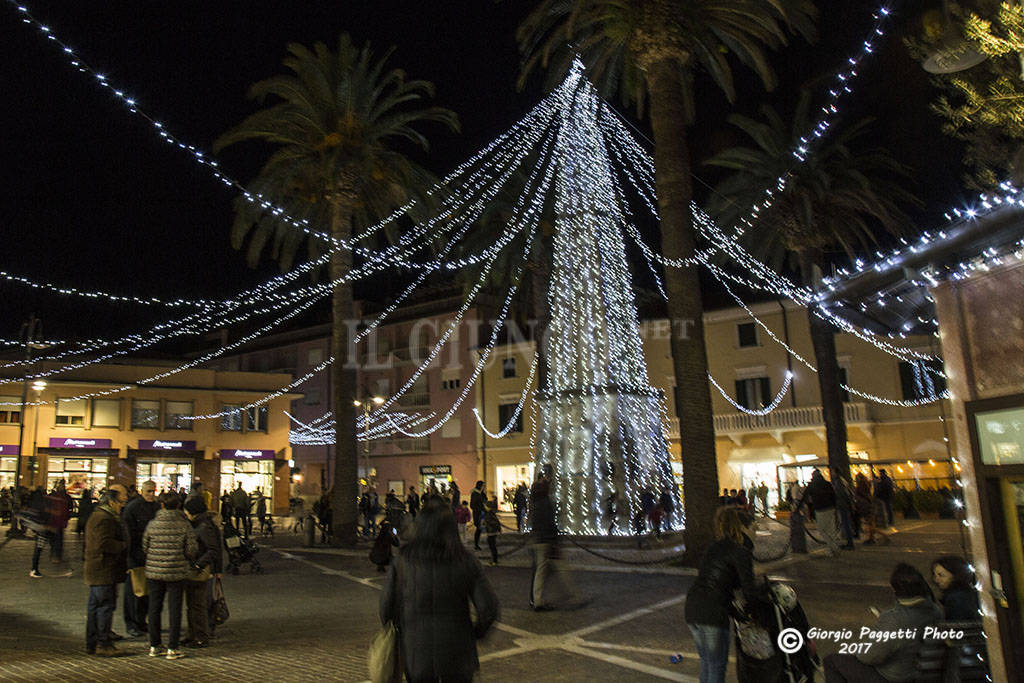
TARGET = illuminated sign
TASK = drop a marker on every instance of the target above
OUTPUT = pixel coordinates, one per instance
(79, 443)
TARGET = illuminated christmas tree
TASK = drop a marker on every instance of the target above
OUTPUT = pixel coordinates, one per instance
(601, 424)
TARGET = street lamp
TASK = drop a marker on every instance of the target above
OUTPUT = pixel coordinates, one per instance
(366, 404)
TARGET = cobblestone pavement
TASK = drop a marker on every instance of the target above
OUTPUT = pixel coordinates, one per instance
(311, 615)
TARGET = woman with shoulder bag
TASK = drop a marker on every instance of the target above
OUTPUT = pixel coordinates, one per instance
(426, 596)
(208, 567)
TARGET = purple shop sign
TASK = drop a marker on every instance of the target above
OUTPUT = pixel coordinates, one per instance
(9, 449)
(166, 445)
(79, 443)
(246, 454)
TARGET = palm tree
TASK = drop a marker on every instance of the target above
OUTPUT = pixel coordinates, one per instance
(837, 198)
(336, 123)
(649, 51)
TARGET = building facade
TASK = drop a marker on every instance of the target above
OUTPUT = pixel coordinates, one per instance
(97, 425)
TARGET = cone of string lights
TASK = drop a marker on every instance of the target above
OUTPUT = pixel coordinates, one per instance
(601, 425)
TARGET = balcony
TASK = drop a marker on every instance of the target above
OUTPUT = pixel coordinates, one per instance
(400, 446)
(781, 420)
(421, 400)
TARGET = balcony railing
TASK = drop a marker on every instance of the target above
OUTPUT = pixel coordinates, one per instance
(421, 400)
(780, 419)
(401, 446)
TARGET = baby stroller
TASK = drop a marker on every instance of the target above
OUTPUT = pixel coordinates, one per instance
(240, 551)
(758, 625)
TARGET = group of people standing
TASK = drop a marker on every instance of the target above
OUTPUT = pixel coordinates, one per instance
(844, 510)
(172, 552)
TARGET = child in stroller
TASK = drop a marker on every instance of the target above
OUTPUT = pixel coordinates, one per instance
(240, 550)
(758, 624)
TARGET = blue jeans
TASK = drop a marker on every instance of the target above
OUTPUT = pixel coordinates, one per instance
(713, 648)
(100, 615)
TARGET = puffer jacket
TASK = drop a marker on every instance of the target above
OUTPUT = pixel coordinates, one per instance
(170, 544)
(726, 566)
(209, 537)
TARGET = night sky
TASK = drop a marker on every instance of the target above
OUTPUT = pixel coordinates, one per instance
(93, 198)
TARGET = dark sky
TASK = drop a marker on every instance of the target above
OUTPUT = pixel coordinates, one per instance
(92, 198)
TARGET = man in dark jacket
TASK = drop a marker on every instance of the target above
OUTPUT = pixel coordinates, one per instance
(822, 497)
(544, 539)
(240, 506)
(476, 505)
(137, 514)
(199, 594)
(105, 567)
(519, 505)
(412, 501)
(884, 490)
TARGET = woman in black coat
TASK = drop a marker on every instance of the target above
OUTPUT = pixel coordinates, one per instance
(427, 594)
(954, 577)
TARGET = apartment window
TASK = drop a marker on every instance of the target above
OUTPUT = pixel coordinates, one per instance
(257, 419)
(450, 383)
(106, 412)
(312, 397)
(231, 418)
(145, 414)
(314, 357)
(746, 334)
(505, 413)
(508, 368)
(10, 414)
(921, 379)
(71, 412)
(177, 415)
(753, 393)
(452, 429)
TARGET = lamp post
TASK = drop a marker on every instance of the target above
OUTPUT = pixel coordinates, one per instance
(365, 403)
(31, 332)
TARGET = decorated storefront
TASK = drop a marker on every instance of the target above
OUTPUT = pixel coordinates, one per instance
(8, 464)
(82, 463)
(252, 468)
(171, 463)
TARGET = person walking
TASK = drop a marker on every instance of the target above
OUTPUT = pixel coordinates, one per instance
(60, 506)
(884, 489)
(427, 595)
(266, 525)
(823, 501)
(762, 495)
(105, 566)
(492, 526)
(199, 593)
(170, 545)
(519, 501)
(39, 511)
(476, 506)
(85, 507)
(727, 566)
(667, 507)
(412, 501)
(325, 514)
(462, 518)
(137, 514)
(240, 510)
(544, 547)
(380, 554)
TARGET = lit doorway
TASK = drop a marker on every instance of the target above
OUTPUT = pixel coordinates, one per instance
(507, 478)
(169, 476)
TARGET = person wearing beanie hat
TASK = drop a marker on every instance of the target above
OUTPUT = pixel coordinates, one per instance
(199, 593)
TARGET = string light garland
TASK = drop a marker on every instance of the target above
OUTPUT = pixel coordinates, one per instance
(762, 411)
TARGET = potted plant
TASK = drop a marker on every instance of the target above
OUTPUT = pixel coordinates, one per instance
(783, 510)
(927, 502)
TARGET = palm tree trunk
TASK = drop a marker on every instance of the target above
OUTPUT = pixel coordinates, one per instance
(345, 489)
(823, 339)
(685, 308)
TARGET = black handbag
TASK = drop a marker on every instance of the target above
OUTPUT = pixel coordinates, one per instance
(220, 604)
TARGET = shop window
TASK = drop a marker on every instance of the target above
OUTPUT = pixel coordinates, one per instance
(505, 412)
(177, 414)
(921, 379)
(753, 393)
(257, 418)
(10, 414)
(508, 368)
(145, 414)
(71, 412)
(106, 412)
(312, 397)
(231, 418)
(746, 334)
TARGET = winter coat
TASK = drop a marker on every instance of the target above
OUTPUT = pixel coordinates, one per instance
(105, 548)
(492, 525)
(960, 604)
(240, 502)
(894, 659)
(725, 567)
(820, 493)
(542, 516)
(85, 507)
(430, 601)
(170, 544)
(476, 503)
(210, 543)
(380, 554)
(136, 515)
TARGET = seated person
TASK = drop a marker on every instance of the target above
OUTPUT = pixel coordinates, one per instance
(893, 659)
(954, 577)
